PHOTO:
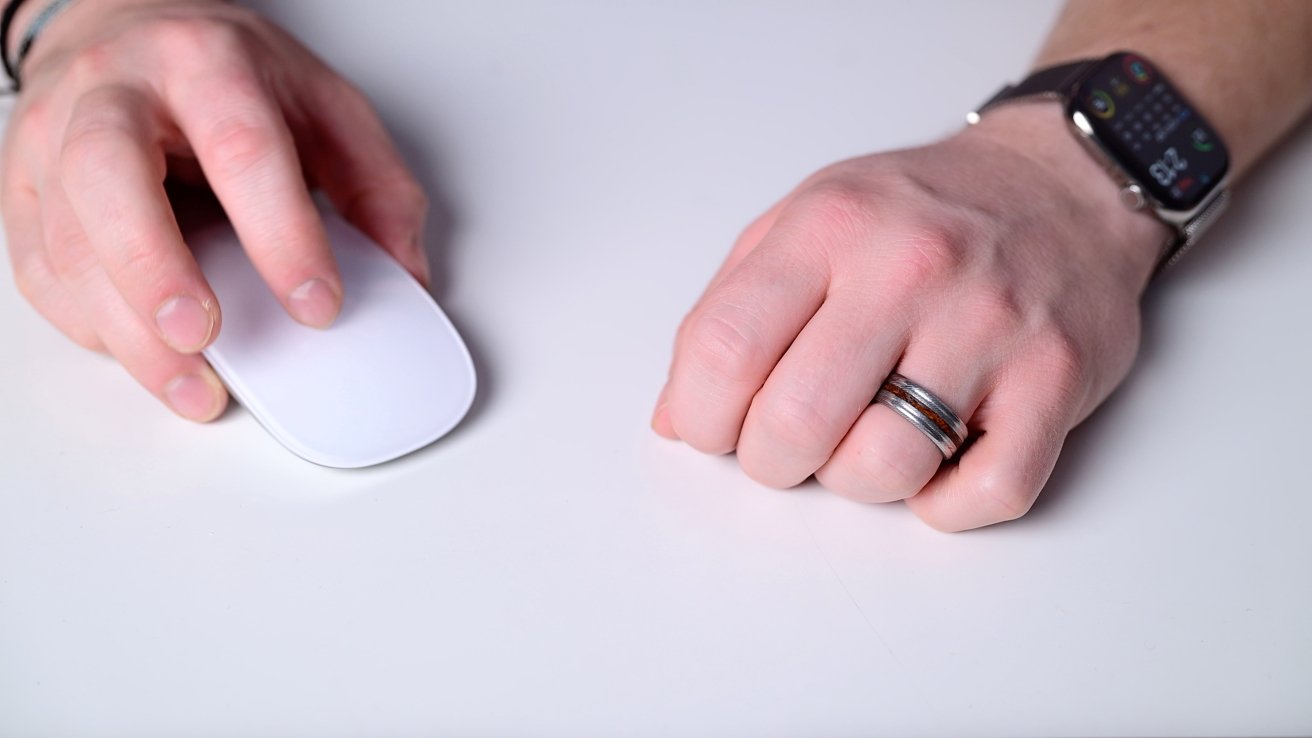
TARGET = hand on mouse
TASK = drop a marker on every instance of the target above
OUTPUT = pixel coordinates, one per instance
(120, 94)
(997, 268)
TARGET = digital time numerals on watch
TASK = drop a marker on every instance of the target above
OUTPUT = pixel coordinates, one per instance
(1150, 130)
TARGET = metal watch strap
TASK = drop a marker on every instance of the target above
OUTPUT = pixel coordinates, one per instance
(1188, 234)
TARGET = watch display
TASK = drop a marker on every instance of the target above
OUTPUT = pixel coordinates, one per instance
(1151, 130)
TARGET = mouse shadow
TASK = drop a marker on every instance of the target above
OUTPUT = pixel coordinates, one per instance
(1085, 445)
(440, 232)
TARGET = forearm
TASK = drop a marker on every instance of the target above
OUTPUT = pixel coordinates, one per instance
(1246, 65)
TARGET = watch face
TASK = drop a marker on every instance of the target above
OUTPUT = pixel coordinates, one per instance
(1156, 136)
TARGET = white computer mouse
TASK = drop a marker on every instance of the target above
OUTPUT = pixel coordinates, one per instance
(390, 376)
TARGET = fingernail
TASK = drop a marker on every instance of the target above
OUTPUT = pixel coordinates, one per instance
(660, 422)
(660, 418)
(185, 323)
(314, 303)
(194, 397)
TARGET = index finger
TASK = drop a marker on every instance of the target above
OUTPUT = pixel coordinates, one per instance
(112, 170)
(736, 334)
(237, 130)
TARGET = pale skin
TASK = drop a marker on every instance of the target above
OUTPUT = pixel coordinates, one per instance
(996, 267)
(119, 93)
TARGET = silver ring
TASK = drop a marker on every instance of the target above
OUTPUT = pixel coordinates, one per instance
(922, 408)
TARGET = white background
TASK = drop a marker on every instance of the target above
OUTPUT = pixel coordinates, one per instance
(553, 567)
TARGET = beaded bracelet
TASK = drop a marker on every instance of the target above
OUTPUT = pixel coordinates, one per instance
(47, 14)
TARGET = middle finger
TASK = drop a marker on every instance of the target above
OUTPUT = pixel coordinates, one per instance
(819, 388)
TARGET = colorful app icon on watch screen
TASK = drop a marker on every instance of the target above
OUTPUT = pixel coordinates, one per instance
(1101, 104)
(1137, 69)
(1152, 132)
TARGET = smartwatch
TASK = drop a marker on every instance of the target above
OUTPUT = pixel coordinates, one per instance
(1166, 158)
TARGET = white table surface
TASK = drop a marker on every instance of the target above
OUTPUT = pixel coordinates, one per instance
(553, 567)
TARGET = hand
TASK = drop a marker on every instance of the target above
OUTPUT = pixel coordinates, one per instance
(120, 94)
(997, 268)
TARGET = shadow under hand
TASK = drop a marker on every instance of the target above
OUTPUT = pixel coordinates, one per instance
(1217, 253)
(439, 234)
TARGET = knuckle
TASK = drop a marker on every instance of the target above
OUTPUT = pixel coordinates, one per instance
(134, 264)
(1061, 361)
(93, 62)
(240, 143)
(36, 284)
(411, 194)
(88, 340)
(30, 279)
(69, 256)
(1000, 499)
(837, 205)
(703, 423)
(721, 342)
(35, 120)
(927, 255)
(878, 474)
(704, 436)
(85, 150)
(994, 312)
(794, 420)
(769, 472)
(94, 143)
(85, 337)
(195, 37)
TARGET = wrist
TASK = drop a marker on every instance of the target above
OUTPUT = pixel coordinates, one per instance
(1039, 133)
(23, 18)
(29, 13)
(28, 22)
(72, 27)
(23, 14)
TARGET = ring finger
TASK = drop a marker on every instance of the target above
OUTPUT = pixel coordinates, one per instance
(884, 457)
